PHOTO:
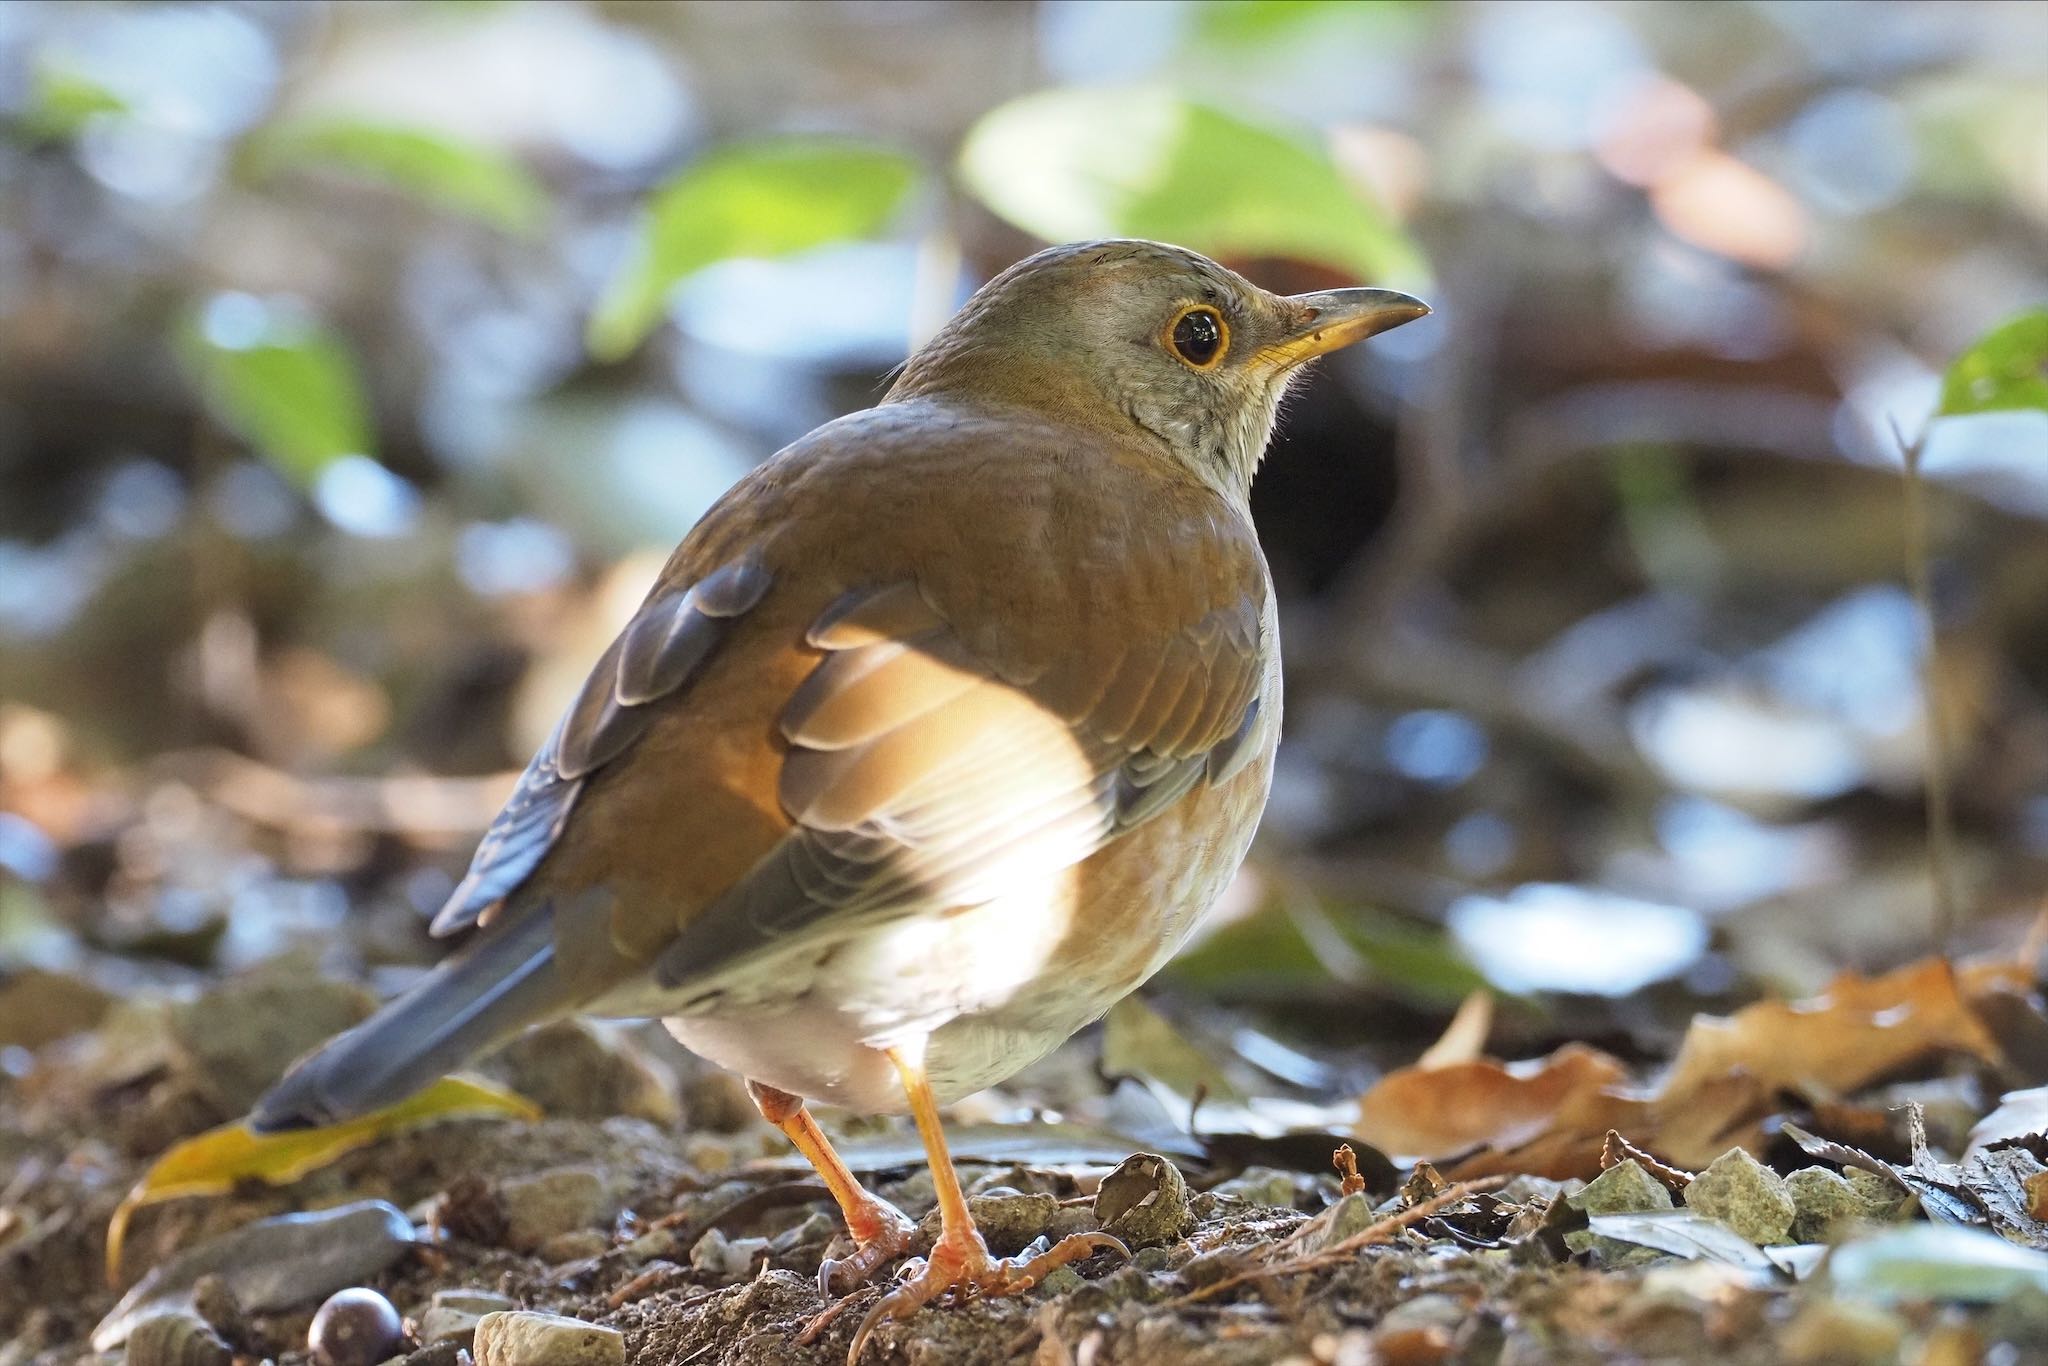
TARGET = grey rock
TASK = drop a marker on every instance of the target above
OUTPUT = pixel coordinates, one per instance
(1009, 1220)
(233, 1042)
(552, 1202)
(723, 1258)
(452, 1315)
(1260, 1186)
(277, 1263)
(1624, 1188)
(176, 1338)
(1144, 1202)
(1745, 1195)
(525, 1337)
(1350, 1216)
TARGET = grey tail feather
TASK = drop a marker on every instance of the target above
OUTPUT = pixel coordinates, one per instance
(491, 988)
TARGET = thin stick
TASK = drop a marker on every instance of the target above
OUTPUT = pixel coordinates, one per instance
(1940, 812)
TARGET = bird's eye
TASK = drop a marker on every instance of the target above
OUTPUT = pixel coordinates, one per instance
(1199, 336)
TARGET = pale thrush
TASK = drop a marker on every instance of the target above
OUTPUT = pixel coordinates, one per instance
(935, 737)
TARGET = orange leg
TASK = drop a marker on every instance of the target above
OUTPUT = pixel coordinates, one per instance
(881, 1232)
(960, 1261)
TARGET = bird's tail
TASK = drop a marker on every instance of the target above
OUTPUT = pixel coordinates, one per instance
(503, 981)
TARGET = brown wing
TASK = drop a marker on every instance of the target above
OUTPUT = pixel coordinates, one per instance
(665, 645)
(919, 778)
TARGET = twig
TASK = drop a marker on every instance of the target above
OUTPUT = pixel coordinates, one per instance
(1919, 578)
(1615, 1149)
(1338, 1253)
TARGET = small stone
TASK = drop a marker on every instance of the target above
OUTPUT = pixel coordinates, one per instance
(1153, 1258)
(452, 1315)
(579, 1069)
(724, 1258)
(577, 1245)
(1144, 1202)
(1745, 1195)
(1624, 1188)
(526, 1337)
(236, 1040)
(1062, 1280)
(1886, 1198)
(1265, 1186)
(818, 1228)
(178, 1338)
(655, 1243)
(709, 1155)
(1351, 1215)
(559, 1200)
(1825, 1207)
(1832, 1332)
(1009, 1220)
(355, 1327)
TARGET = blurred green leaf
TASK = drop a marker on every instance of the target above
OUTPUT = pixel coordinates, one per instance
(769, 198)
(1143, 162)
(449, 173)
(1228, 24)
(286, 384)
(1936, 1262)
(2006, 368)
(61, 101)
(1373, 949)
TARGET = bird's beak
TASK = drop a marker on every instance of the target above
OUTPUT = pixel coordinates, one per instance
(1336, 318)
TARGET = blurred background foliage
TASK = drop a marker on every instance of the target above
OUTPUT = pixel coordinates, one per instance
(360, 362)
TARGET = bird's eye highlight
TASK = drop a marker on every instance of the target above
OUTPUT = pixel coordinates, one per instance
(1199, 336)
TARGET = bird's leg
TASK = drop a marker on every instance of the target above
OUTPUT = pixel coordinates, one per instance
(960, 1261)
(881, 1232)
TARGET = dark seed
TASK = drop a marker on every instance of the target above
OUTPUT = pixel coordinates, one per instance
(355, 1328)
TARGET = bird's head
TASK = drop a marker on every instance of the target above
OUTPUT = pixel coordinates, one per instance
(1147, 339)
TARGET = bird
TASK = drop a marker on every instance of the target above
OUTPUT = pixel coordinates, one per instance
(934, 738)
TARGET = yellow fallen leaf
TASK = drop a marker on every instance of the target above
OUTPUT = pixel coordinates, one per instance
(220, 1159)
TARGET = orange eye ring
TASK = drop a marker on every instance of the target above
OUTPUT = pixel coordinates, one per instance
(1197, 336)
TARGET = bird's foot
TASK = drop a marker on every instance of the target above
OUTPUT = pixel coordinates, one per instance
(881, 1233)
(961, 1266)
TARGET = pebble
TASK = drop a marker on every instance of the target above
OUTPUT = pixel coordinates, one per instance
(1832, 1332)
(1009, 1220)
(238, 1038)
(176, 1338)
(577, 1245)
(1267, 1186)
(277, 1263)
(1624, 1188)
(1745, 1195)
(526, 1337)
(724, 1258)
(451, 1316)
(576, 1069)
(1828, 1208)
(1353, 1214)
(560, 1200)
(1144, 1202)
(355, 1327)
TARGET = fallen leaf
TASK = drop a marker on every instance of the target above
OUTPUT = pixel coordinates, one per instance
(1549, 1116)
(2020, 1121)
(1682, 1233)
(219, 1159)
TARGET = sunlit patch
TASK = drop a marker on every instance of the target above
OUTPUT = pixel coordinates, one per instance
(1553, 937)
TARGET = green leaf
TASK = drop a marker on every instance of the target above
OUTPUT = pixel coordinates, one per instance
(60, 102)
(2007, 368)
(1142, 162)
(761, 199)
(462, 177)
(1231, 25)
(287, 385)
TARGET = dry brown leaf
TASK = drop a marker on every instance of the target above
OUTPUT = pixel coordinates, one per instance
(1549, 1116)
